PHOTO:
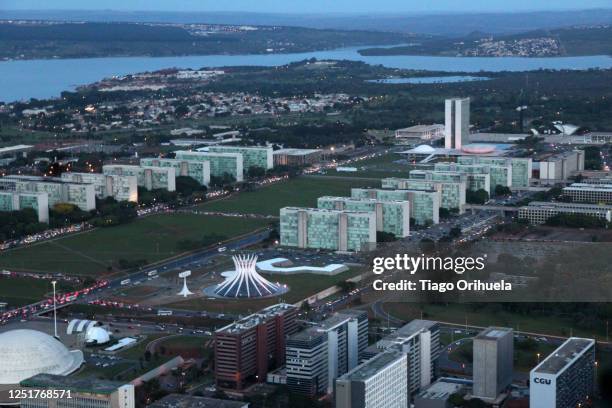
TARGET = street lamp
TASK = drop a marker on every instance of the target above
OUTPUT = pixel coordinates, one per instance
(54, 311)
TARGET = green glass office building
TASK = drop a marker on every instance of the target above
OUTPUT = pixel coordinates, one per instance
(391, 216)
(220, 163)
(452, 193)
(424, 204)
(327, 229)
(252, 156)
(197, 170)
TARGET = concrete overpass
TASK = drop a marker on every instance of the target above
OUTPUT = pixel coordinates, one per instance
(502, 209)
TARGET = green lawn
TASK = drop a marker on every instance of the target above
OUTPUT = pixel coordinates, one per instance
(301, 192)
(457, 313)
(151, 238)
(23, 291)
(301, 286)
(525, 358)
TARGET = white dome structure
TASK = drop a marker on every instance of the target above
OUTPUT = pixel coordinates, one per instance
(423, 149)
(97, 335)
(25, 353)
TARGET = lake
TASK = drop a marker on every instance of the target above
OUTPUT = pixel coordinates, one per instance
(21, 80)
(429, 80)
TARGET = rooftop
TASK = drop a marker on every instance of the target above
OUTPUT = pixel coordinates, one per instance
(373, 366)
(89, 384)
(562, 357)
(494, 333)
(15, 149)
(589, 187)
(255, 319)
(441, 389)
(189, 401)
(296, 152)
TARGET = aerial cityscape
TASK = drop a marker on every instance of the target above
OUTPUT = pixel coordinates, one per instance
(302, 204)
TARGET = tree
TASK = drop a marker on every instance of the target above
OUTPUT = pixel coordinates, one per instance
(186, 185)
(476, 197)
(382, 236)
(502, 190)
(256, 172)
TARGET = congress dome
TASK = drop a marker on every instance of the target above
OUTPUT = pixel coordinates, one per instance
(25, 353)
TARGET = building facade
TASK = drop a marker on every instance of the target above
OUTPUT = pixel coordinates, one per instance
(565, 379)
(327, 229)
(538, 212)
(150, 178)
(247, 349)
(589, 193)
(391, 216)
(376, 383)
(452, 193)
(121, 188)
(220, 163)
(424, 204)
(58, 191)
(420, 341)
(456, 123)
(493, 365)
(297, 157)
(306, 362)
(421, 132)
(252, 156)
(559, 167)
(498, 175)
(522, 168)
(197, 170)
(84, 393)
(14, 201)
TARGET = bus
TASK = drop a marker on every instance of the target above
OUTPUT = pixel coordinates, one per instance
(164, 312)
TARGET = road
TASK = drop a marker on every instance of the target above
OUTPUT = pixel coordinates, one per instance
(105, 286)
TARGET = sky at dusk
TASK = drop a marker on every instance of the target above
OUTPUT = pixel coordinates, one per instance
(309, 6)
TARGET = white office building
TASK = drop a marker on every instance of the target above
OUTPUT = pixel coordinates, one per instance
(121, 188)
(456, 123)
(493, 351)
(420, 341)
(565, 378)
(377, 383)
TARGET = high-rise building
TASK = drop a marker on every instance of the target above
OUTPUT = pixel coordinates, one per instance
(377, 383)
(318, 355)
(221, 164)
(565, 378)
(420, 341)
(391, 216)
(14, 201)
(522, 168)
(493, 362)
(148, 177)
(452, 193)
(424, 204)
(247, 349)
(497, 175)
(121, 188)
(58, 191)
(456, 123)
(327, 229)
(306, 362)
(84, 392)
(197, 170)
(252, 156)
